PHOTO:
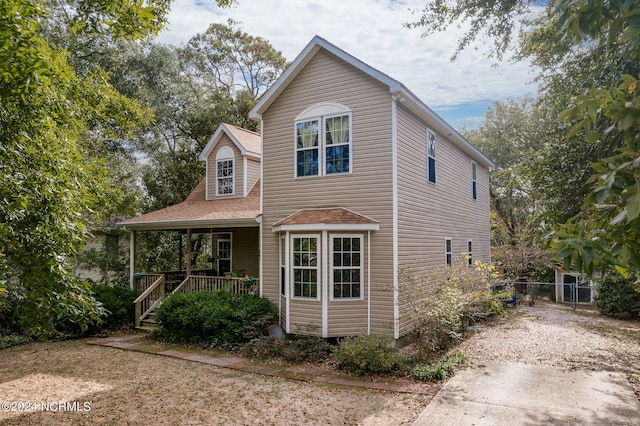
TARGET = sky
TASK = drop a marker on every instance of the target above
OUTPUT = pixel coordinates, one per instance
(372, 30)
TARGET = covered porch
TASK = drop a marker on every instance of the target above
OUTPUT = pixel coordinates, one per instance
(197, 245)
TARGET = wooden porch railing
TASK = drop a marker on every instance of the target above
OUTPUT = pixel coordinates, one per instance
(151, 297)
(195, 283)
(153, 289)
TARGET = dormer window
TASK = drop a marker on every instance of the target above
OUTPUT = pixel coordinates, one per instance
(224, 172)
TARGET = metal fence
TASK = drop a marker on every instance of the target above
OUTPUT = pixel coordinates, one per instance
(531, 292)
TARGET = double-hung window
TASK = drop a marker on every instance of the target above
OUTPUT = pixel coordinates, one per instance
(305, 267)
(346, 267)
(323, 146)
(224, 172)
(307, 148)
(474, 182)
(469, 253)
(431, 156)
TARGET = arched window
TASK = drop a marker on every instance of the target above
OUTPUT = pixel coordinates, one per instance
(323, 140)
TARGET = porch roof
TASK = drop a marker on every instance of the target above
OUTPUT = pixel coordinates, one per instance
(333, 218)
(198, 212)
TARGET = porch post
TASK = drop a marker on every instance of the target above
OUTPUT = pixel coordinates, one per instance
(188, 251)
(132, 259)
(180, 256)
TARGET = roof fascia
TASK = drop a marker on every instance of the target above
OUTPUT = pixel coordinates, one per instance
(302, 59)
(327, 227)
(167, 225)
(411, 101)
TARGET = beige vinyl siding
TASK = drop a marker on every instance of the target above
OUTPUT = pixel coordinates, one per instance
(238, 172)
(366, 190)
(245, 246)
(253, 172)
(428, 213)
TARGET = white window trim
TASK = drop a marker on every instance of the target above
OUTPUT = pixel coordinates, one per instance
(233, 177)
(470, 253)
(434, 156)
(332, 267)
(292, 290)
(322, 145)
(450, 253)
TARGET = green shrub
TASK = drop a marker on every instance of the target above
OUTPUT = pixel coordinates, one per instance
(118, 301)
(439, 371)
(373, 353)
(214, 318)
(619, 296)
(295, 349)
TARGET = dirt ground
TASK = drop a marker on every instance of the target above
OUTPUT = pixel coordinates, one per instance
(85, 384)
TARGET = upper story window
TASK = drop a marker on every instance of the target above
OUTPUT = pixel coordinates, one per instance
(224, 172)
(474, 182)
(431, 156)
(323, 141)
(307, 149)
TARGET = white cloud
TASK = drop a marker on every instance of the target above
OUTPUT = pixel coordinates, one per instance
(372, 31)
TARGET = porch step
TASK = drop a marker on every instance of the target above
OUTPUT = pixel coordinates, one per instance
(149, 323)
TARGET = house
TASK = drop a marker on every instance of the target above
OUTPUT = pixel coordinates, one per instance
(360, 185)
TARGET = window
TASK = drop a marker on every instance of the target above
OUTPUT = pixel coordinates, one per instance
(305, 267)
(323, 146)
(469, 253)
(307, 148)
(346, 267)
(337, 144)
(474, 184)
(431, 156)
(447, 252)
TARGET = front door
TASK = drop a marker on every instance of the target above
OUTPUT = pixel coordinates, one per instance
(224, 256)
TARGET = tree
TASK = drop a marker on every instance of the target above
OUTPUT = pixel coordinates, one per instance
(513, 134)
(588, 52)
(50, 183)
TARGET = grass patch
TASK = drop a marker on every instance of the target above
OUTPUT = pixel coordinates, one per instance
(13, 340)
(440, 370)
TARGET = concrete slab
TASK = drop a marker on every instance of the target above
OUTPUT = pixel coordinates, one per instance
(520, 394)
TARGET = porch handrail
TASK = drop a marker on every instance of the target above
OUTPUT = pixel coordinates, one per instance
(149, 299)
(237, 285)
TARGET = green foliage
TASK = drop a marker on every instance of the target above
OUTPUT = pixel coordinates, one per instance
(372, 353)
(619, 296)
(296, 348)
(118, 302)
(219, 318)
(441, 370)
(13, 340)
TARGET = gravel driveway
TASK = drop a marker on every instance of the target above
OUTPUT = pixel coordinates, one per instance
(554, 334)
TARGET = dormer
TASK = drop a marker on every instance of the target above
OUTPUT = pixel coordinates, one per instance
(232, 158)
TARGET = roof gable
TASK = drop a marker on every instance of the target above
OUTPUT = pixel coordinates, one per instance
(246, 141)
(398, 90)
